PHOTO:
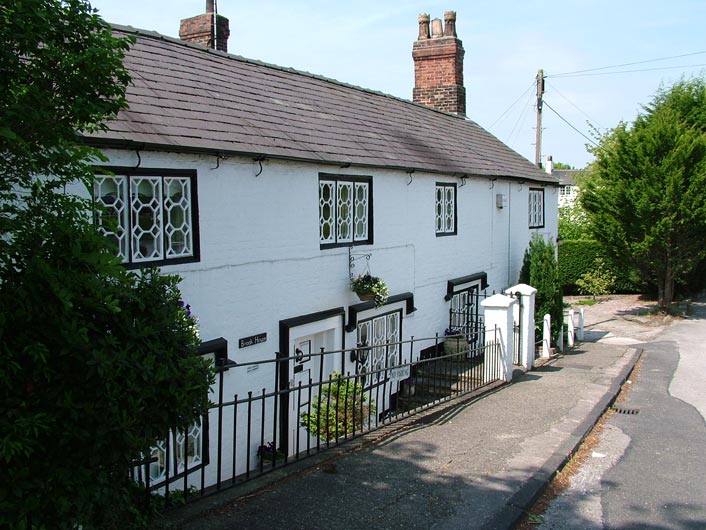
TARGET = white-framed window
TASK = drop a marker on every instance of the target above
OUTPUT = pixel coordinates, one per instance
(445, 209)
(536, 208)
(181, 451)
(345, 210)
(379, 338)
(149, 215)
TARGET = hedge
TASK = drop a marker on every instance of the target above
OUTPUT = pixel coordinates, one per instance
(577, 257)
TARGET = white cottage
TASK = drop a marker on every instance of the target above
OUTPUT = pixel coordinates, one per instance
(267, 189)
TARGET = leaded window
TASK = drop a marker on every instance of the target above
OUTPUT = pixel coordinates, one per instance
(445, 209)
(464, 314)
(536, 208)
(344, 210)
(149, 217)
(379, 339)
(179, 452)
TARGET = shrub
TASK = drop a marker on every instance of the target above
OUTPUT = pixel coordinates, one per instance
(598, 281)
(98, 363)
(340, 408)
(539, 269)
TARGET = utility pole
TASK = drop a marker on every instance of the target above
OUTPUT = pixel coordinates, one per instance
(538, 134)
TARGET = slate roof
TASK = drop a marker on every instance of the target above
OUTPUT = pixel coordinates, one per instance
(567, 177)
(187, 98)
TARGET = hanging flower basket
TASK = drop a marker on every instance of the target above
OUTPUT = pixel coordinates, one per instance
(370, 288)
(366, 297)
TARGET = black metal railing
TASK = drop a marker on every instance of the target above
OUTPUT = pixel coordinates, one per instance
(263, 429)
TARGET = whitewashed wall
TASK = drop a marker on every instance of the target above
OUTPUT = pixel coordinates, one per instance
(260, 260)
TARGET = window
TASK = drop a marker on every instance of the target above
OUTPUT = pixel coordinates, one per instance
(181, 451)
(150, 216)
(464, 314)
(345, 211)
(379, 337)
(445, 209)
(536, 208)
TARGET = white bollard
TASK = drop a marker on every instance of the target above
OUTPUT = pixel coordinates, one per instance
(571, 333)
(580, 332)
(546, 336)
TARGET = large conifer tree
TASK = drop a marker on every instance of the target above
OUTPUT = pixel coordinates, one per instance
(646, 196)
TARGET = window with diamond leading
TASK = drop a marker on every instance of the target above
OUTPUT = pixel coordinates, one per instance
(345, 210)
(536, 208)
(150, 215)
(445, 209)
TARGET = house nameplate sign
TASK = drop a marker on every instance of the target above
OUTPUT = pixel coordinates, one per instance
(252, 340)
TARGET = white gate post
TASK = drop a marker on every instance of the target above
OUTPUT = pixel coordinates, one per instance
(571, 333)
(498, 310)
(526, 318)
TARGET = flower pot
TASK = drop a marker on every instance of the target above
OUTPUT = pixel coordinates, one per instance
(453, 345)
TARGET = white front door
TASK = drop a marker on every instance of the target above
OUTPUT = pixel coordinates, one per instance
(305, 373)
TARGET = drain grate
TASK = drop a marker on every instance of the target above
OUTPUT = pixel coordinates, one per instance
(624, 410)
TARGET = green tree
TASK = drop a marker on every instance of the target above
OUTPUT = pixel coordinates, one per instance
(540, 270)
(646, 198)
(573, 222)
(97, 362)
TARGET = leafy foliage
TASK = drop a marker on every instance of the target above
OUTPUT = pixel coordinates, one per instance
(340, 408)
(540, 270)
(598, 281)
(577, 258)
(646, 198)
(98, 362)
(573, 222)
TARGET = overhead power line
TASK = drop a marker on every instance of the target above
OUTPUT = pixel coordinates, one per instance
(568, 74)
(511, 106)
(569, 124)
(592, 121)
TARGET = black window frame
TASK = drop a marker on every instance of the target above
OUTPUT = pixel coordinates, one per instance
(129, 172)
(444, 185)
(349, 179)
(529, 199)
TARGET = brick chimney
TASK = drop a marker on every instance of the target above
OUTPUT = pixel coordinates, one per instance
(210, 29)
(438, 65)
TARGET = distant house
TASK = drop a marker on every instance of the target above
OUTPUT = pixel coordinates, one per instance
(568, 186)
(267, 189)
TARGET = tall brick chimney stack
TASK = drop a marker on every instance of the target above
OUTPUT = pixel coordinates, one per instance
(210, 29)
(438, 65)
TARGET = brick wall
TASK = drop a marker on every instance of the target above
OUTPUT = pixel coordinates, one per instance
(199, 30)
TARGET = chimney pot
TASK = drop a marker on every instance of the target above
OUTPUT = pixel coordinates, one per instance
(210, 8)
(450, 24)
(423, 27)
(549, 168)
(436, 29)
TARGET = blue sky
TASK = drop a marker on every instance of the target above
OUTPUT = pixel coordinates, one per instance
(369, 43)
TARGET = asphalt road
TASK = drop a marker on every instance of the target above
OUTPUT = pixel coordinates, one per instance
(649, 469)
